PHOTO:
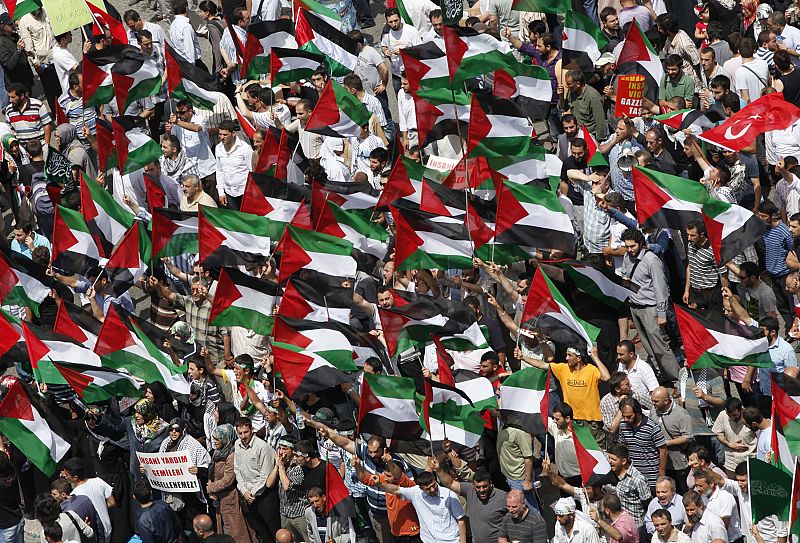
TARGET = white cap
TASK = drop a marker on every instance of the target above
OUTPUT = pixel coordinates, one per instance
(564, 506)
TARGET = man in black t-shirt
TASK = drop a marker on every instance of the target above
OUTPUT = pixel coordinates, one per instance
(307, 457)
(204, 529)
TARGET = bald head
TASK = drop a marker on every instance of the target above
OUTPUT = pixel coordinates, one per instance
(203, 526)
(283, 536)
(661, 399)
(515, 503)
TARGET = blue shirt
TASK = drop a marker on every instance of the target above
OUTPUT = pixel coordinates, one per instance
(782, 355)
(24, 250)
(777, 243)
(123, 301)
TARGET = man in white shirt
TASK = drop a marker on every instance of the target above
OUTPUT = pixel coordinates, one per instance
(753, 75)
(181, 33)
(399, 36)
(719, 502)
(640, 374)
(573, 526)
(234, 158)
(63, 60)
(191, 131)
(136, 24)
(702, 525)
(788, 36)
(266, 10)
(96, 489)
(436, 33)
(407, 118)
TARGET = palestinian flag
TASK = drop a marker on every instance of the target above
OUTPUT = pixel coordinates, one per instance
(106, 146)
(23, 282)
(75, 323)
(304, 249)
(261, 38)
(155, 193)
(314, 300)
(338, 113)
(229, 238)
(74, 249)
(497, 127)
(529, 217)
(770, 490)
(667, 201)
(441, 113)
(292, 65)
(388, 407)
(415, 319)
(553, 315)
(606, 288)
(325, 13)
(404, 181)
(528, 86)
(135, 148)
(786, 403)
(782, 456)
(18, 8)
(338, 501)
(533, 165)
(471, 53)
(315, 35)
(123, 345)
(426, 66)
(125, 265)
(594, 466)
(426, 241)
(174, 233)
(245, 125)
(478, 389)
(101, 21)
(594, 156)
(135, 77)
(368, 237)
(541, 6)
(525, 400)
(641, 58)
(185, 81)
(273, 199)
(348, 195)
(108, 221)
(448, 413)
(45, 345)
(331, 341)
(12, 342)
(243, 300)
(24, 426)
(682, 119)
(712, 340)
(98, 86)
(304, 371)
(582, 42)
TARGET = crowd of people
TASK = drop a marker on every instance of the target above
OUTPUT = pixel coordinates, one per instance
(677, 440)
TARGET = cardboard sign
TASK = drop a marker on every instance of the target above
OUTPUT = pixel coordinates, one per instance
(630, 92)
(66, 15)
(169, 471)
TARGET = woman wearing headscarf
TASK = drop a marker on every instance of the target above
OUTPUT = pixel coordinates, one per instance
(67, 143)
(187, 504)
(13, 149)
(146, 432)
(160, 395)
(222, 487)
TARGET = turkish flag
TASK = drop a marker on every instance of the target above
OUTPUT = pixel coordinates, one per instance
(770, 112)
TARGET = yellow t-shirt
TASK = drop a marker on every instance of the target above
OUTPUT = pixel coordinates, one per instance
(580, 390)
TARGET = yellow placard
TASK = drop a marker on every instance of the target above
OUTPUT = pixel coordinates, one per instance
(66, 15)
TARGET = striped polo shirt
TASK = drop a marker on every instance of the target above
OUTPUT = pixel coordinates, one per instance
(28, 125)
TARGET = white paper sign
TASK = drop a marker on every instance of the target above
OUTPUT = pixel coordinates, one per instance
(169, 471)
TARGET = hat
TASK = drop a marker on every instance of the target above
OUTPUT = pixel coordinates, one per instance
(605, 58)
(564, 506)
(326, 416)
(5, 19)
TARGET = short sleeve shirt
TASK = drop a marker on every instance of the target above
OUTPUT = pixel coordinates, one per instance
(580, 390)
(513, 446)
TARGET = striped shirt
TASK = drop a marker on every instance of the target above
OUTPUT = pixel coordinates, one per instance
(777, 244)
(76, 115)
(703, 270)
(28, 124)
(293, 502)
(376, 497)
(643, 442)
(632, 489)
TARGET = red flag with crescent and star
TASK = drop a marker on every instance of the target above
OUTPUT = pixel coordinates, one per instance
(770, 112)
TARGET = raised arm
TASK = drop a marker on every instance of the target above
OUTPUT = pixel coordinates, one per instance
(339, 441)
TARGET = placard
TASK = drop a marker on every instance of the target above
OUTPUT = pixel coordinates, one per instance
(66, 15)
(169, 471)
(630, 92)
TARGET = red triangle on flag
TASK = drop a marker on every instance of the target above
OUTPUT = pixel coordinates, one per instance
(63, 238)
(208, 237)
(156, 197)
(337, 497)
(696, 338)
(37, 349)
(16, 404)
(293, 366)
(225, 295)
(294, 257)
(8, 279)
(540, 300)
(66, 326)
(114, 334)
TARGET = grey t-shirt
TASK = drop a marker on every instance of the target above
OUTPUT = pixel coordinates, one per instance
(760, 301)
(367, 68)
(485, 517)
(530, 528)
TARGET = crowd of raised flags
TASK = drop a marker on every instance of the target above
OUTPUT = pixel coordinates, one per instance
(464, 313)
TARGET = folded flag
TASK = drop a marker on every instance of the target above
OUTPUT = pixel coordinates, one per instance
(525, 400)
(125, 265)
(106, 218)
(316, 35)
(135, 148)
(243, 300)
(338, 113)
(185, 81)
(74, 249)
(106, 146)
(292, 65)
(174, 232)
(448, 413)
(26, 428)
(230, 238)
(582, 43)
(554, 317)
(388, 407)
(638, 53)
(261, 38)
(592, 462)
(593, 155)
(712, 340)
